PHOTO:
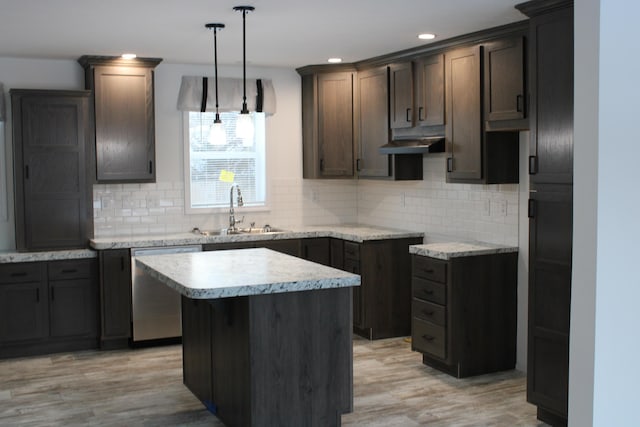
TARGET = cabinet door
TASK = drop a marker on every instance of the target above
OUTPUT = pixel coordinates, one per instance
(429, 91)
(317, 250)
(335, 124)
(504, 79)
(288, 246)
(115, 290)
(73, 298)
(125, 129)
(401, 95)
(50, 135)
(550, 249)
(463, 130)
(372, 107)
(551, 57)
(73, 308)
(23, 302)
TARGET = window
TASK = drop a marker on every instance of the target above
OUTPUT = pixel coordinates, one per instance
(211, 169)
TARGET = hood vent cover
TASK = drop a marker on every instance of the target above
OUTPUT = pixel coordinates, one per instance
(414, 145)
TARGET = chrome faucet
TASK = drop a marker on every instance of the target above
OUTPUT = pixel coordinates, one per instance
(232, 216)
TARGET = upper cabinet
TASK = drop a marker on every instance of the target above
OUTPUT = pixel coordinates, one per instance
(504, 84)
(372, 111)
(463, 129)
(429, 90)
(471, 89)
(51, 135)
(124, 117)
(327, 122)
(401, 88)
(417, 92)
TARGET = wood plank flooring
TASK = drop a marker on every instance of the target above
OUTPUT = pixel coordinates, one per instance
(144, 388)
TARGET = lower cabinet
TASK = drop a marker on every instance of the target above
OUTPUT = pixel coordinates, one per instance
(48, 307)
(312, 249)
(115, 293)
(463, 313)
(382, 302)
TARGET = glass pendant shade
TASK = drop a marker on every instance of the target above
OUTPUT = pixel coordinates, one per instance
(217, 134)
(244, 128)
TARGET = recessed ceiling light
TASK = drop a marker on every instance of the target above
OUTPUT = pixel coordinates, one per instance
(335, 60)
(426, 36)
(128, 56)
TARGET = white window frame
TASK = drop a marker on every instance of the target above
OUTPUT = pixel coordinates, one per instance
(261, 168)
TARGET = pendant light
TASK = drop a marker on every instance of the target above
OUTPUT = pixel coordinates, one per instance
(244, 124)
(217, 133)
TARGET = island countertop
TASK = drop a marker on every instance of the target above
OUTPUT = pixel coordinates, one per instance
(242, 272)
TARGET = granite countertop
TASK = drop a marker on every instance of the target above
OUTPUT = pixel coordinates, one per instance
(354, 233)
(12, 257)
(223, 274)
(448, 250)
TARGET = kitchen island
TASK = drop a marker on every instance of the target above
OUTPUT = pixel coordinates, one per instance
(267, 337)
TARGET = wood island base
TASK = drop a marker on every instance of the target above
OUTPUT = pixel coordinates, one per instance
(282, 359)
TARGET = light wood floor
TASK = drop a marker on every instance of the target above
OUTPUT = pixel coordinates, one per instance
(144, 388)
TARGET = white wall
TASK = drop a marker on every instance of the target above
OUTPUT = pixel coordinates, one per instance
(605, 318)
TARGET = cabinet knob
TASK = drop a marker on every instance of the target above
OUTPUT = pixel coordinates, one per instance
(408, 115)
(420, 112)
(449, 164)
(533, 165)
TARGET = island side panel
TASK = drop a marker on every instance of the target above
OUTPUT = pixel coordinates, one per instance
(196, 348)
(301, 357)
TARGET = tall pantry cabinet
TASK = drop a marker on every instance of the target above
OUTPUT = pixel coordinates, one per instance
(550, 206)
(52, 164)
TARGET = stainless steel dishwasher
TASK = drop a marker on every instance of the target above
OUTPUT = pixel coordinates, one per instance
(156, 312)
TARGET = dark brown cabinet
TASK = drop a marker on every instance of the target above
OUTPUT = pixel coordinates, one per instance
(115, 293)
(475, 155)
(327, 122)
(48, 307)
(504, 94)
(23, 302)
(316, 250)
(429, 90)
(51, 133)
(401, 95)
(124, 117)
(372, 119)
(464, 313)
(381, 304)
(550, 206)
(417, 92)
(463, 130)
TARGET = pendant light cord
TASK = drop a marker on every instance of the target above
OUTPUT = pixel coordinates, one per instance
(215, 66)
(244, 62)
(244, 10)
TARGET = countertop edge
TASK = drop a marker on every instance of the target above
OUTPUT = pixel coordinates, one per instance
(57, 255)
(459, 250)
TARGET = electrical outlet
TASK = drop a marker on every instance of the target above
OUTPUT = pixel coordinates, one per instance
(314, 195)
(402, 200)
(502, 207)
(486, 208)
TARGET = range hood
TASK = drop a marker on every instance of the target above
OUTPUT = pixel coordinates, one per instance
(414, 145)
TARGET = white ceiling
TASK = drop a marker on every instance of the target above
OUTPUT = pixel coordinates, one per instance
(284, 33)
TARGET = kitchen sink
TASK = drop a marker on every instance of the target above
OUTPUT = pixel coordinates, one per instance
(251, 230)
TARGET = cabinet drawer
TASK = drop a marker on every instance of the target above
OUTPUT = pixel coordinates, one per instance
(429, 268)
(70, 269)
(21, 272)
(351, 250)
(430, 312)
(428, 338)
(429, 291)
